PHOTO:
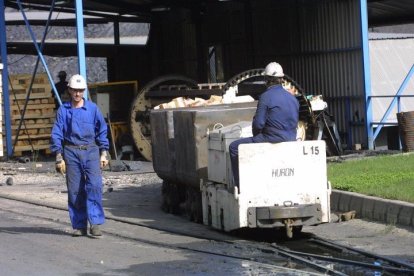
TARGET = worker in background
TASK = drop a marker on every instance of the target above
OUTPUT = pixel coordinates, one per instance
(61, 88)
(276, 117)
(79, 140)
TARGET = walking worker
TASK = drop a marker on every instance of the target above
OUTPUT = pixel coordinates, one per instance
(276, 117)
(61, 87)
(79, 140)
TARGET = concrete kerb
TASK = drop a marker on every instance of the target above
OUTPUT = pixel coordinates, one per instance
(373, 208)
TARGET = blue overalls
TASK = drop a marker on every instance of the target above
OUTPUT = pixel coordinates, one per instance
(275, 121)
(80, 134)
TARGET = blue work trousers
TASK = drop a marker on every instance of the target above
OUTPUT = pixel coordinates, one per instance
(234, 154)
(84, 183)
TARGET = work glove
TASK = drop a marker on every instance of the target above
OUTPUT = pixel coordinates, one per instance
(104, 159)
(60, 164)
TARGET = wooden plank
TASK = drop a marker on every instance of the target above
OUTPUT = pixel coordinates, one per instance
(21, 103)
(34, 122)
(34, 116)
(26, 131)
(32, 142)
(21, 90)
(36, 86)
(32, 96)
(34, 106)
(35, 126)
(33, 137)
(26, 78)
(27, 148)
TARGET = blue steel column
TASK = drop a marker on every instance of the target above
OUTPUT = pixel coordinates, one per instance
(5, 76)
(366, 73)
(81, 41)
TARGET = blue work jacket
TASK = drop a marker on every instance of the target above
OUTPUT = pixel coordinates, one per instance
(276, 117)
(79, 126)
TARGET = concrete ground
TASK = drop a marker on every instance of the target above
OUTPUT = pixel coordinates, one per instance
(135, 196)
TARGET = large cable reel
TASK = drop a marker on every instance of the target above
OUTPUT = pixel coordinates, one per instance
(143, 103)
(155, 93)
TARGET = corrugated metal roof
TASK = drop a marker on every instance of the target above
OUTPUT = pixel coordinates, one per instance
(380, 12)
(380, 36)
(390, 12)
(391, 60)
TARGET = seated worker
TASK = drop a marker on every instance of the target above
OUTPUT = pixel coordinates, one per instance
(276, 117)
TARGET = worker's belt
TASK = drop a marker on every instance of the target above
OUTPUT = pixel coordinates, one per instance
(80, 147)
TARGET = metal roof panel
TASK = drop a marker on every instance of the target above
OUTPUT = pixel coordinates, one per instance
(380, 12)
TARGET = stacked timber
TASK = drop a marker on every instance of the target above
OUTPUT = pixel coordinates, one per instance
(1, 113)
(35, 129)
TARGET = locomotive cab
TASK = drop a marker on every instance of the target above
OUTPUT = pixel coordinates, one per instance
(282, 185)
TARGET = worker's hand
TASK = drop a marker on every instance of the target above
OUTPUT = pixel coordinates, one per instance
(60, 164)
(104, 159)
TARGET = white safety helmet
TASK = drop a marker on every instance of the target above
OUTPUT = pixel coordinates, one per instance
(77, 82)
(274, 69)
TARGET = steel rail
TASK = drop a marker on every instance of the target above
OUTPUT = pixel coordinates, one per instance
(362, 252)
(351, 262)
(293, 255)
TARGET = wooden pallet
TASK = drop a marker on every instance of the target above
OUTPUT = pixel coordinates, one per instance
(25, 79)
(34, 134)
(19, 86)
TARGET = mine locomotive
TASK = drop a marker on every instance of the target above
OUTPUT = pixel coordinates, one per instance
(282, 185)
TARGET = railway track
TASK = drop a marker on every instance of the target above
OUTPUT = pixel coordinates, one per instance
(343, 260)
(309, 254)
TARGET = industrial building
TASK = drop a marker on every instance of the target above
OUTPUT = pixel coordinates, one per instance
(322, 44)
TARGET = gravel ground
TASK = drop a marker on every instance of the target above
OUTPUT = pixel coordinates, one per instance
(39, 180)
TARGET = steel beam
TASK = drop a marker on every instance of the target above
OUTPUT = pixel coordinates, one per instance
(81, 41)
(366, 72)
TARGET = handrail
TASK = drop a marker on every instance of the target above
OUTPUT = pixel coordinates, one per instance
(396, 100)
(398, 107)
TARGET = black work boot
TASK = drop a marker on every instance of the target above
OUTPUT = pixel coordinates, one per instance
(79, 232)
(95, 231)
